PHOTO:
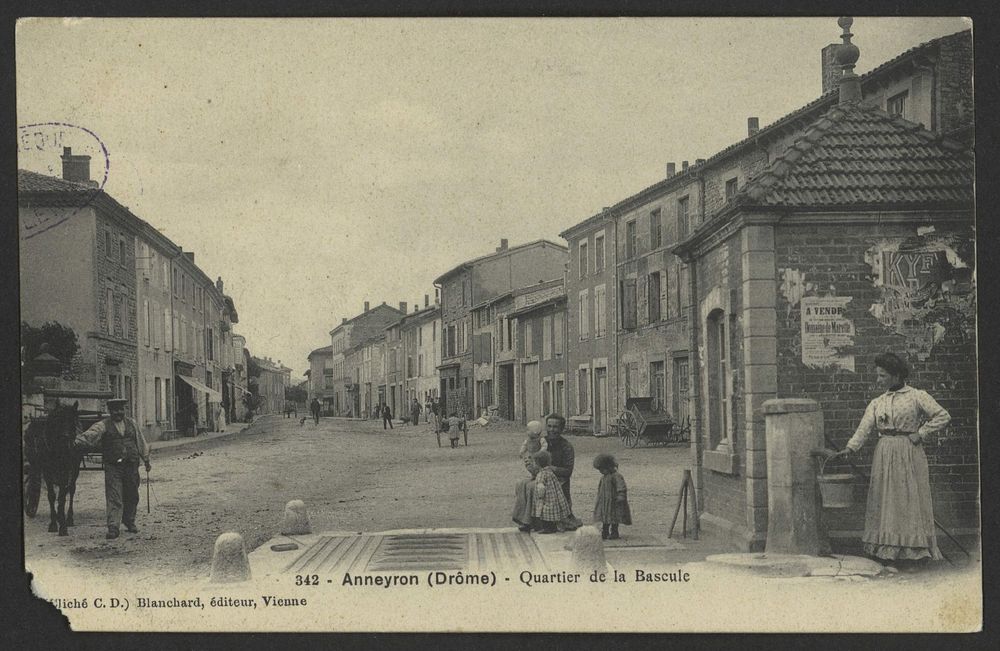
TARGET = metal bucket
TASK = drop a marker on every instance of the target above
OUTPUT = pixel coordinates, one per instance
(837, 490)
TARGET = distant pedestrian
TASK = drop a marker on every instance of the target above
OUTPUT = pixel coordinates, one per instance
(612, 507)
(455, 425)
(436, 413)
(314, 408)
(386, 416)
(415, 410)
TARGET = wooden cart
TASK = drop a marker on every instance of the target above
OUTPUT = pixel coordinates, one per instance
(640, 421)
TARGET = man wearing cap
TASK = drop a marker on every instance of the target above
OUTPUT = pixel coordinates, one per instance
(122, 445)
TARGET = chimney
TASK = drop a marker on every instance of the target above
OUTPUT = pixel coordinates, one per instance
(366, 306)
(671, 169)
(189, 255)
(699, 161)
(218, 284)
(427, 300)
(847, 56)
(753, 126)
(402, 307)
(416, 306)
(503, 245)
(829, 70)
(343, 320)
(76, 167)
(684, 165)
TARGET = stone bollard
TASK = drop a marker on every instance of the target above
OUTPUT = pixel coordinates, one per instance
(296, 519)
(229, 560)
(588, 550)
(794, 427)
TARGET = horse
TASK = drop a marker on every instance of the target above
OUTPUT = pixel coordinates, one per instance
(60, 462)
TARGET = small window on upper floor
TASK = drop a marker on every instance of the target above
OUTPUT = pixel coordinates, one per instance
(896, 105)
(583, 259)
(732, 185)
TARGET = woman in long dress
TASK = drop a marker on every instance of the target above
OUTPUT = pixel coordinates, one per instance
(899, 520)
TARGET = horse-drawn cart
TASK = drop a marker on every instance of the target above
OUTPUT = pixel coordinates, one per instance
(640, 420)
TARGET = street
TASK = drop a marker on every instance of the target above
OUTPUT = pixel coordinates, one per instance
(352, 475)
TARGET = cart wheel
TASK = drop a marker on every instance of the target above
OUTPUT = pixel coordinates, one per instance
(628, 428)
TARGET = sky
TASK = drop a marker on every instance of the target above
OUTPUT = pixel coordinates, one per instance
(315, 164)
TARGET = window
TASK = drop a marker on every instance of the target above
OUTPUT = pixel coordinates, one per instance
(158, 398)
(450, 349)
(420, 336)
(558, 406)
(584, 315)
(718, 379)
(599, 254)
(167, 398)
(108, 250)
(655, 229)
(210, 341)
(420, 364)
(630, 243)
(118, 321)
(109, 315)
(121, 252)
(547, 396)
(547, 339)
(626, 299)
(732, 185)
(658, 386)
(434, 331)
(583, 393)
(529, 339)
(683, 220)
(583, 259)
(600, 311)
(896, 105)
(681, 383)
(653, 299)
(557, 325)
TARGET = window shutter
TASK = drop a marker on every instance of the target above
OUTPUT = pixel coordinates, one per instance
(628, 304)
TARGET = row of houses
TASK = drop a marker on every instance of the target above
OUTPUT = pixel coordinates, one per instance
(777, 267)
(151, 326)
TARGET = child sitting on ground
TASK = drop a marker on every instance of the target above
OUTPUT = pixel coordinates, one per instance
(551, 506)
(535, 441)
(612, 506)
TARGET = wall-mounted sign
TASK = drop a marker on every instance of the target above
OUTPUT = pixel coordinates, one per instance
(827, 332)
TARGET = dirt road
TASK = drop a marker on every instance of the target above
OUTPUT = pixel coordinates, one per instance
(352, 476)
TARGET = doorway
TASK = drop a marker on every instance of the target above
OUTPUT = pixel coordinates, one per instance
(600, 398)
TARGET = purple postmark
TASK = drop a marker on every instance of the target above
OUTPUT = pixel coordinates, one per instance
(40, 147)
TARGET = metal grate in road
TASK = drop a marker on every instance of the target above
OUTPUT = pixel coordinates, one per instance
(474, 552)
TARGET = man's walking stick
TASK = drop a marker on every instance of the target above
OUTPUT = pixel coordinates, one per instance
(147, 491)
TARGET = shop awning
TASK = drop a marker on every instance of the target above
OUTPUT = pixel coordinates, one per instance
(213, 395)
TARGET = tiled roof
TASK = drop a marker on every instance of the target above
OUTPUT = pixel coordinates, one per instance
(325, 350)
(857, 155)
(494, 254)
(33, 182)
(804, 112)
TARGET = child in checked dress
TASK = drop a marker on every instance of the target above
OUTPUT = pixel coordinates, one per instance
(612, 506)
(551, 506)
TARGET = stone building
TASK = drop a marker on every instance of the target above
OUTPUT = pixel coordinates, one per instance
(539, 317)
(695, 345)
(476, 282)
(321, 380)
(271, 384)
(146, 316)
(419, 353)
(344, 341)
(494, 339)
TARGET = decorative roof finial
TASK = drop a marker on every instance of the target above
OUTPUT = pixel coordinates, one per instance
(846, 56)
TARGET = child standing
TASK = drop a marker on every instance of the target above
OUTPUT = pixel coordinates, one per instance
(454, 426)
(612, 506)
(551, 506)
(534, 442)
